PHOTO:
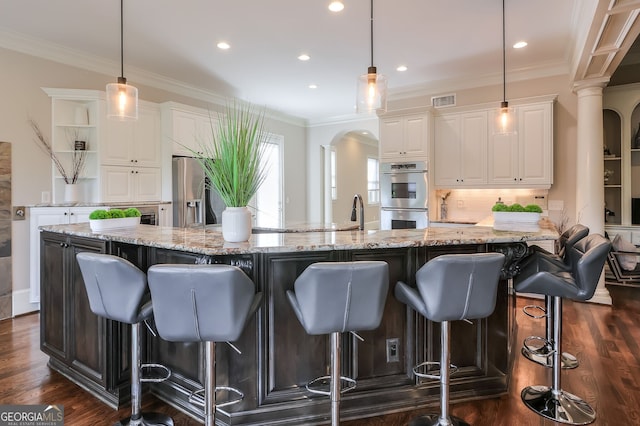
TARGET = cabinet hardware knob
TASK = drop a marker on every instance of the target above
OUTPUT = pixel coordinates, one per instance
(132, 171)
(131, 161)
(71, 214)
(61, 244)
(136, 172)
(515, 178)
(65, 213)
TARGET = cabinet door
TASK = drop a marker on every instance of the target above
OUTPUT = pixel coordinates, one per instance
(415, 136)
(53, 329)
(535, 142)
(447, 151)
(116, 149)
(166, 215)
(147, 184)
(117, 183)
(146, 146)
(185, 132)
(473, 148)
(503, 159)
(87, 331)
(391, 136)
(81, 214)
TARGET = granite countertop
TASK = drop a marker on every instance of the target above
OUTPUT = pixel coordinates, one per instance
(210, 241)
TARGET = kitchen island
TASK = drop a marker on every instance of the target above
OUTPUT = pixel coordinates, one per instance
(278, 357)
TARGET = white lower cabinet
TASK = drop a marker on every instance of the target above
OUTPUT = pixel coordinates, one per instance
(131, 183)
(165, 214)
(42, 216)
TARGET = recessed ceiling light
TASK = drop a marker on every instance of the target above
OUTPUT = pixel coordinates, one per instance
(401, 68)
(520, 45)
(304, 57)
(336, 6)
(223, 45)
(313, 86)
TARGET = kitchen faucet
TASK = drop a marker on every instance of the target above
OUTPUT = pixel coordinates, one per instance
(357, 198)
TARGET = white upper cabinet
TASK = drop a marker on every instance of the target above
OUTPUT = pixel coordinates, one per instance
(404, 136)
(130, 183)
(186, 128)
(524, 159)
(134, 142)
(459, 152)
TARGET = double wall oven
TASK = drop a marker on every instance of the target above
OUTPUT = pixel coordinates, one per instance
(404, 195)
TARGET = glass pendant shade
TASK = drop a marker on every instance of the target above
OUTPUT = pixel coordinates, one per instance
(505, 121)
(122, 101)
(372, 92)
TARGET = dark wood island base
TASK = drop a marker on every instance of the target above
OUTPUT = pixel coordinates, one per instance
(278, 357)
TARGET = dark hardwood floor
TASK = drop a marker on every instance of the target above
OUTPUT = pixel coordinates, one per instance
(605, 339)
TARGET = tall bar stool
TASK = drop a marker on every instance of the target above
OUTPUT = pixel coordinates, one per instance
(337, 297)
(587, 257)
(203, 303)
(117, 290)
(451, 287)
(546, 261)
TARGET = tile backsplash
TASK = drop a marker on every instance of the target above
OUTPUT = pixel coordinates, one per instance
(474, 205)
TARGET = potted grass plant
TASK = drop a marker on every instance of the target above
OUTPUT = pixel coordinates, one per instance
(233, 164)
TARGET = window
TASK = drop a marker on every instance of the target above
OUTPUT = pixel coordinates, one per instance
(373, 180)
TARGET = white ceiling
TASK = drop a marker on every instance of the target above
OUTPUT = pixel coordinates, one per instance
(444, 43)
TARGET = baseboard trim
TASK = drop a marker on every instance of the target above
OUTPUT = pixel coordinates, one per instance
(21, 304)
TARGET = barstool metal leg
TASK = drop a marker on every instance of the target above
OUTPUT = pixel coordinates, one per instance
(444, 418)
(335, 378)
(137, 417)
(543, 354)
(552, 402)
(210, 384)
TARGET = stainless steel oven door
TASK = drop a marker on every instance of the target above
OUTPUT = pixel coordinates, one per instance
(395, 218)
(403, 188)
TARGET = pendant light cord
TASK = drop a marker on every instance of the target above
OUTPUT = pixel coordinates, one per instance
(372, 33)
(122, 40)
(504, 66)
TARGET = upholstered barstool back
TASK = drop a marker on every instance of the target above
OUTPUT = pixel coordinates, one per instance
(455, 287)
(451, 287)
(587, 258)
(336, 297)
(116, 288)
(340, 296)
(201, 303)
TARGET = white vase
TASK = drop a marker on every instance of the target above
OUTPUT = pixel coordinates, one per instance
(71, 192)
(236, 224)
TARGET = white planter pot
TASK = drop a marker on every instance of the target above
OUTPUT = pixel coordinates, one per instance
(71, 192)
(99, 225)
(236, 224)
(516, 221)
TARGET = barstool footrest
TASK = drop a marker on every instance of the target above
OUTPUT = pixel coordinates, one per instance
(147, 419)
(350, 385)
(529, 308)
(197, 396)
(452, 370)
(149, 379)
(558, 406)
(543, 355)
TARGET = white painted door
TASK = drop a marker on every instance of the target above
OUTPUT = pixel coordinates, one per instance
(268, 200)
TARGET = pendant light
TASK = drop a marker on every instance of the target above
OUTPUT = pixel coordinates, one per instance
(505, 117)
(122, 98)
(372, 87)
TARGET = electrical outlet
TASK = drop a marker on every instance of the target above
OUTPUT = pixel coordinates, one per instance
(460, 203)
(45, 197)
(393, 349)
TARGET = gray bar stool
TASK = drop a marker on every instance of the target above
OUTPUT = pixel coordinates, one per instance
(451, 287)
(546, 261)
(587, 257)
(337, 297)
(203, 303)
(117, 290)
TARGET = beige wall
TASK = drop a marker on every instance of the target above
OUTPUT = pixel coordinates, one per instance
(21, 79)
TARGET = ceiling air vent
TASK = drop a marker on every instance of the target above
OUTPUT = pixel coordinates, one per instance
(443, 101)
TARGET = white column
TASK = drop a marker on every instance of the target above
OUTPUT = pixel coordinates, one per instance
(590, 166)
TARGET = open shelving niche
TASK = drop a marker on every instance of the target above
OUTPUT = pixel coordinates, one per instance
(76, 116)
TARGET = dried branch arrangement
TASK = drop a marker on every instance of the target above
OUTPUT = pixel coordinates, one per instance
(78, 158)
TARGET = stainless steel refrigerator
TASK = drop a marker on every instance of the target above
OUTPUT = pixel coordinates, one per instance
(194, 203)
